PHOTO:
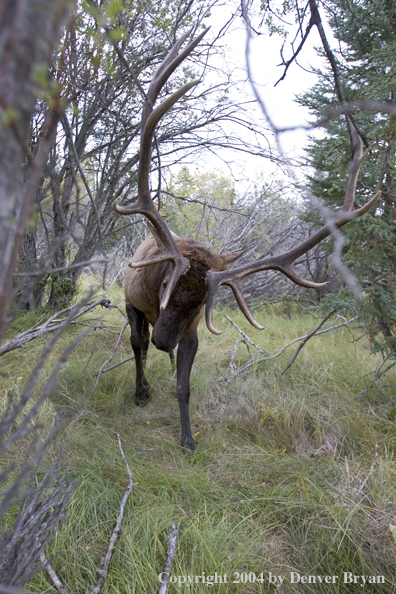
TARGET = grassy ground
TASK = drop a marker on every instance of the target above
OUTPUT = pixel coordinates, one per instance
(277, 483)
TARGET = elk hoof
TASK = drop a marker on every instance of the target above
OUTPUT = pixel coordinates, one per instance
(188, 444)
(142, 396)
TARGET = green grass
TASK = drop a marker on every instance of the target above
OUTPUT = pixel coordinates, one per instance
(273, 485)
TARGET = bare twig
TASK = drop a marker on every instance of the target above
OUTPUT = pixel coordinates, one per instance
(110, 549)
(106, 560)
(231, 365)
(118, 364)
(377, 377)
(170, 553)
(119, 309)
(42, 272)
(364, 483)
(249, 340)
(307, 337)
(69, 136)
(52, 574)
(356, 138)
(315, 332)
(109, 360)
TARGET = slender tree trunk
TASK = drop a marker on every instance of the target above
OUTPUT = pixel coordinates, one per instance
(29, 33)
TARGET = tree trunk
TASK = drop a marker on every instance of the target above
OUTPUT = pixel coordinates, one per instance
(29, 33)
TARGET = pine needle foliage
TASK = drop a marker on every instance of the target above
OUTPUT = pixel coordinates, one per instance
(366, 35)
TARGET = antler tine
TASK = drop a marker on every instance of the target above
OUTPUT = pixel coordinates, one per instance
(232, 282)
(144, 204)
(343, 218)
(213, 284)
(171, 62)
(282, 263)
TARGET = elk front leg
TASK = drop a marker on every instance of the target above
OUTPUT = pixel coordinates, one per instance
(140, 337)
(185, 357)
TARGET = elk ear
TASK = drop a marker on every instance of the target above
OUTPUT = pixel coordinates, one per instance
(229, 259)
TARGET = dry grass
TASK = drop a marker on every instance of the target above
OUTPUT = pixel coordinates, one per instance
(275, 484)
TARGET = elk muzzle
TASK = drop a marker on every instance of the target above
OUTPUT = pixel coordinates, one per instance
(163, 340)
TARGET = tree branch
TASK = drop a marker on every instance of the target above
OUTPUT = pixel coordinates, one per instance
(102, 571)
(170, 553)
(50, 325)
(307, 337)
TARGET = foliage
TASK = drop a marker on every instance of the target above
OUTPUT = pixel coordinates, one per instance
(366, 34)
(202, 202)
(205, 206)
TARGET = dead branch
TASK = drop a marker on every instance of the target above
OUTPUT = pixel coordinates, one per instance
(307, 337)
(310, 25)
(364, 483)
(119, 309)
(43, 272)
(377, 377)
(106, 560)
(69, 136)
(315, 332)
(104, 567)
(170, 553)
(54, 578)
(11, 590)
(109, 360)
(357, 138)
(42, 511)
(249, 340)
(25, 424)
(53, 323)
(231, 366)
(118, 364)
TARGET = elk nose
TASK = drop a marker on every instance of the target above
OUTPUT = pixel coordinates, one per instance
(162, 344)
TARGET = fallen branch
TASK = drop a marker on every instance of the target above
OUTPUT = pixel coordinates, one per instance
(282, 350)
(109, 360)
(118, 364)
(231, 366)
(170, 553)
(307, 337)
(364, 483)
(377, 377)
(104, 567)
(50, 325)
(249, 340)
(54, 578)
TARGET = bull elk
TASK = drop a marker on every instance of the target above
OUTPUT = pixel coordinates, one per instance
(170, 278)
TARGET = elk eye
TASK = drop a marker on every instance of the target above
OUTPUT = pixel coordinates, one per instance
(165, 282)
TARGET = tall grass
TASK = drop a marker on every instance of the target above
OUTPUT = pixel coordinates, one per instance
(292, 472)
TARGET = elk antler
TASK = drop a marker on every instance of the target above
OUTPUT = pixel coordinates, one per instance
(144, 204)
(283, 262)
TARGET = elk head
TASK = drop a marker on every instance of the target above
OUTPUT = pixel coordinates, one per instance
(190, 292)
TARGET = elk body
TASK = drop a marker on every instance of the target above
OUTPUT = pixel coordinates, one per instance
(177, 323)
(171, 278)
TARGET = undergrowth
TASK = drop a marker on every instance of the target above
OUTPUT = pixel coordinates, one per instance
(292, 473)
